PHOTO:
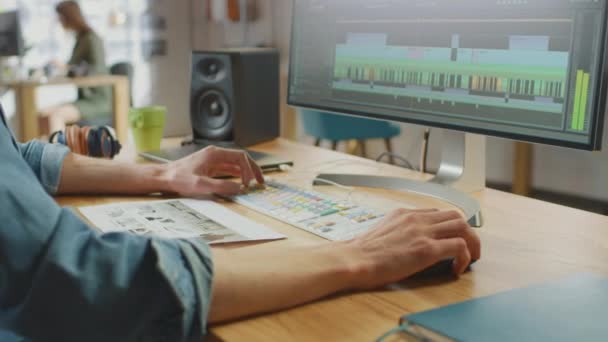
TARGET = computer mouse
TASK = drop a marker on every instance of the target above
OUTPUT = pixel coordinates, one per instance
(441, 268)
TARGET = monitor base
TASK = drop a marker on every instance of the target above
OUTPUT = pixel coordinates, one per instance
(462, 171)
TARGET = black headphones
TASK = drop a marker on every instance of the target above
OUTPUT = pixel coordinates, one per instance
(97, 142)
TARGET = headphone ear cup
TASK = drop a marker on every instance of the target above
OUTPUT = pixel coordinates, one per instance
(113, 141)
(115, 145)
(106, 142)
(92, 143)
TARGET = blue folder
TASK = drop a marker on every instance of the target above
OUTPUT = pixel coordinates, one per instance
(570, 309)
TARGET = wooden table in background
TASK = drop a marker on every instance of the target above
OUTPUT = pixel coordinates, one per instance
(525, 242)
(522, 171)
(27, 110)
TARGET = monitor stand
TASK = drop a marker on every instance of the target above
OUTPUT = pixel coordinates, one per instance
(461, 172)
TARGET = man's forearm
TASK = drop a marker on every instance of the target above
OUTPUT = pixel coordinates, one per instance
(83, 175)
(270, 277)
(191, 176)
(274, 276)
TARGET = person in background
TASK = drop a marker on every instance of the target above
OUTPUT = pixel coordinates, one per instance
(88, 58)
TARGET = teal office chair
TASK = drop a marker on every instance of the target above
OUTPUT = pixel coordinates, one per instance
(124, 69)
(337, 128)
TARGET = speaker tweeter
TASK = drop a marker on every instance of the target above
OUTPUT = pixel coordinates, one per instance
(212, 70)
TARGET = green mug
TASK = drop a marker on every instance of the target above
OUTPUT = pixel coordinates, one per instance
(148, 126)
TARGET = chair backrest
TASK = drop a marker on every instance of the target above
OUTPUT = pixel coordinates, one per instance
(336, 127)
(124, 69)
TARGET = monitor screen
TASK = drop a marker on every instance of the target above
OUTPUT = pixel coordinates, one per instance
(11, 40)
(528, 70)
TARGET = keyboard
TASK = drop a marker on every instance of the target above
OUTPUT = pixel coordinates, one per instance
(314, 212)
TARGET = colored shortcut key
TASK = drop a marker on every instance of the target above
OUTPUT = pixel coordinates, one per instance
(293, 204)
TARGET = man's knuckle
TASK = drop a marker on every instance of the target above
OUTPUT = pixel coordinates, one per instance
(420, 229)
(411, 219)
(401, 211)
(461, 244)
(412, 231)
(425, 248)
(202, 182)
(454, 215)
(461, 225)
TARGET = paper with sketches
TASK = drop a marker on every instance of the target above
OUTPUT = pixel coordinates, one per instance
(178, 219)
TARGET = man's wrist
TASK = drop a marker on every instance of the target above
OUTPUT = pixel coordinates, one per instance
(350, 266)
(158, 178)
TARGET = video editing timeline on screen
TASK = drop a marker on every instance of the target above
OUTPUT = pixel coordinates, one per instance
(515, 78)
(496, 69)
(490, 65)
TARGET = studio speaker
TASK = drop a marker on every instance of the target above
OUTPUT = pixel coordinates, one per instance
(235, 96)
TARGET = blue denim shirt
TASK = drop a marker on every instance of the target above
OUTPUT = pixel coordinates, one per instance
(62, 281)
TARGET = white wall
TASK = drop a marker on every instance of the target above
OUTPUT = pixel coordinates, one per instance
(166, 80)
(207, 35)
(569, 171)
(281, 14)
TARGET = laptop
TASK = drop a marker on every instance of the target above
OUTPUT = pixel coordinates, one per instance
(267, 162)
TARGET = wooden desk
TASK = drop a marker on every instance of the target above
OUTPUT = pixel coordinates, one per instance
(27, 111)
(525, 241)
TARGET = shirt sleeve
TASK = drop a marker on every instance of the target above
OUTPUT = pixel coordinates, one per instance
(46, 160)
(62, 281)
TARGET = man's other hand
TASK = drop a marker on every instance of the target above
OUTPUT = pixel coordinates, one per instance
(194, 174)
(407, 242)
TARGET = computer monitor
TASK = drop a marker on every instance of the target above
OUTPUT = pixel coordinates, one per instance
(530, 70)
(11, 39)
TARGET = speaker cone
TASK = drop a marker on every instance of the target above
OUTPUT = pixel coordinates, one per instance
(212, 115)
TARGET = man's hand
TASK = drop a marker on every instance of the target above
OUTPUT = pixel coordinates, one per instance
(271, 277)
(192, 175)
(407, 242)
